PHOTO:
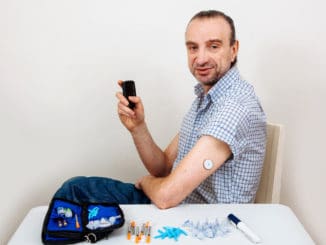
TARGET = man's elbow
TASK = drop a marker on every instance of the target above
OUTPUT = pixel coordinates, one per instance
(165, 199)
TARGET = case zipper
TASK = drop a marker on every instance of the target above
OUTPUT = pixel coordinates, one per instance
(91, 237)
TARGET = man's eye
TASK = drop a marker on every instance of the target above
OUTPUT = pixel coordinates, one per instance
(214, 46)
(192, 48)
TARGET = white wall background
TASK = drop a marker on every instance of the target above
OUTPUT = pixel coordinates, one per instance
(59, 63)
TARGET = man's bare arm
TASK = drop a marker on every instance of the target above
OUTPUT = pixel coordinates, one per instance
(169, 191)
(157, 162)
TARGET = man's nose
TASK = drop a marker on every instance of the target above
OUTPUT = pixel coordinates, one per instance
(202, 57)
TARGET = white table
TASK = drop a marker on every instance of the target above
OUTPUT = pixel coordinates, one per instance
(275, 224)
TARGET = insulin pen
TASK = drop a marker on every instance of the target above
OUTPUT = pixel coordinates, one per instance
(244, 228)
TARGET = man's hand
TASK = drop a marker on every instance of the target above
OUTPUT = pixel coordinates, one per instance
(131, 119)
(138, 183)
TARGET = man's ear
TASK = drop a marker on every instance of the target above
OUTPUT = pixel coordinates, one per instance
(235, 48)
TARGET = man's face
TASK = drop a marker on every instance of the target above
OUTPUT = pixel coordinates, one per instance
(209, 51)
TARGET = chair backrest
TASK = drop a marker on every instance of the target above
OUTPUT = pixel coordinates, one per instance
(270, 182)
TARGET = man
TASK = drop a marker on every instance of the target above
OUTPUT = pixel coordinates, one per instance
(217, 156)
(225, 127)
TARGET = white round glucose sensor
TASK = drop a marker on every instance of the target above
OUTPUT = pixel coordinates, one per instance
(208, 164)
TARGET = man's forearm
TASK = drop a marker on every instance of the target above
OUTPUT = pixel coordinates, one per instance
(159, 190)
(151, 155)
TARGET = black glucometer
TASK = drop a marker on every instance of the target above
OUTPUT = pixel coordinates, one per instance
(129, 89)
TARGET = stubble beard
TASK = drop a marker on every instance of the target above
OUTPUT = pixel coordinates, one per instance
(212, 78)
(210, 82)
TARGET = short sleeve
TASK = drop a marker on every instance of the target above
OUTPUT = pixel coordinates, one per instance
(229, 124)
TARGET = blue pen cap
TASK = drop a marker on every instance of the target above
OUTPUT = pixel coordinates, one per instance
(233, 218)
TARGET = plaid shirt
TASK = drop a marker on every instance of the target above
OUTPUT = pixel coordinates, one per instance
(230, 112)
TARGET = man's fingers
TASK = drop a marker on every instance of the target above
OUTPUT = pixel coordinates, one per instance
(125, 110)
(120, 83)
(121, 98)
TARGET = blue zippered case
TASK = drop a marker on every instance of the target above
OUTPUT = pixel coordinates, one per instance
(67, 222)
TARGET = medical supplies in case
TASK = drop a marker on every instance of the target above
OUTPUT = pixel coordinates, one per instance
(67, 222)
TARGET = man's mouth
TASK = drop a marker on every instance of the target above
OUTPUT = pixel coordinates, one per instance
(202, 71)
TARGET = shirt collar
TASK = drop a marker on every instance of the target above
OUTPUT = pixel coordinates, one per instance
(222, 85)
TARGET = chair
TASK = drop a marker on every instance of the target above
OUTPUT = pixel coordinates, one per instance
(270, 182)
